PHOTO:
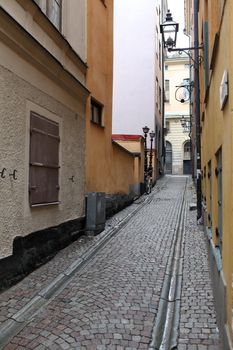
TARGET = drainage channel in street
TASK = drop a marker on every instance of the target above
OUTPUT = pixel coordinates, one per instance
(19, 320)
(166, 327)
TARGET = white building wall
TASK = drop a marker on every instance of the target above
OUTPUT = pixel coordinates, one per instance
(134, 66)
(176, 69)
(177, 137)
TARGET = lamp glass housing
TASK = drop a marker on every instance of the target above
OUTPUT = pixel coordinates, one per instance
(145, 129)
(152, 134)
(169, 30)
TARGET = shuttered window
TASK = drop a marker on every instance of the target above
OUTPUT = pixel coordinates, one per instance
(44, 160)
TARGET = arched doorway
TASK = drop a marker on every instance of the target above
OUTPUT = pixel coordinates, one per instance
(187, 164)
(168, 163)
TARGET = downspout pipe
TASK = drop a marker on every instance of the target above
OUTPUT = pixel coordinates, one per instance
(190, 110)
(163, 111)
(197, 108)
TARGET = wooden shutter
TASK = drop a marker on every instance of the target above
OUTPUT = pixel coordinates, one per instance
(44, 160)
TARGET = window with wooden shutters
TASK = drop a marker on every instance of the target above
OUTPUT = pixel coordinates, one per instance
(44, 160)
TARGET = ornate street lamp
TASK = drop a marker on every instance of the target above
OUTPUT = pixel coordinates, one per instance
(145, 130)
(152, 136)
(169, 30)
(186, 124)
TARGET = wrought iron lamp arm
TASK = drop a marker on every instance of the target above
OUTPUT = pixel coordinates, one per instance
(188, 50)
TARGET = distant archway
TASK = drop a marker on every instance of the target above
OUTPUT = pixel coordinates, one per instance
(168, 163)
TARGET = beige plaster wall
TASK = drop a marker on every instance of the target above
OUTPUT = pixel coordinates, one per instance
(33, 20)
(177, 70)
(177, 137)
(131, 146)
(74, 14)
(17, 98)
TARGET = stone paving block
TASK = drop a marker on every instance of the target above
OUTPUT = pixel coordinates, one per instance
(182, 347)
(113, 301)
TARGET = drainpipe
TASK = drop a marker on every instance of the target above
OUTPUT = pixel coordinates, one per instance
(163, 156)
(190, 107)
(197, 108)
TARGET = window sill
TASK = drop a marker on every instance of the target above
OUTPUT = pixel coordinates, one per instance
(98, 125)
(44, 204)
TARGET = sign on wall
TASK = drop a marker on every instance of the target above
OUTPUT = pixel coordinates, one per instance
(223, 90)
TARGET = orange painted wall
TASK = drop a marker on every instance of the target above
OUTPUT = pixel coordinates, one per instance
(105, 164)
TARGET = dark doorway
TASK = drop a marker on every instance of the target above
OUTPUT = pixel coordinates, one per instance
(187, 167)
(168, 163)
(187, 163)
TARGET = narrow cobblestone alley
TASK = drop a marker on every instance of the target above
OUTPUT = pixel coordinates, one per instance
(105, 292)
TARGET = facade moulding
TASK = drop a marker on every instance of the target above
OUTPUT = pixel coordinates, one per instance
(23, 43)
(41, 19)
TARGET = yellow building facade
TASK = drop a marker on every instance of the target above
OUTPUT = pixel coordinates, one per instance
(109, 168)
(135, 145)
(216, 98)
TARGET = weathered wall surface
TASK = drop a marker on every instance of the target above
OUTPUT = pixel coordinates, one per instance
(217, 136)
(17, 99)
(108, 169)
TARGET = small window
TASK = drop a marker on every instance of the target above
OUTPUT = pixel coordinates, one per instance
(166, 67)
(156, 41)
(160, 54)
(160, 98)
(157, 91)
(44, 161)
(167, 126)
(53, 12)
(187, 150)
(96, 112)
(167, 90)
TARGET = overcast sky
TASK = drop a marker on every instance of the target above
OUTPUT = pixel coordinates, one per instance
(134, 66)
(134, 62)
(177, 9)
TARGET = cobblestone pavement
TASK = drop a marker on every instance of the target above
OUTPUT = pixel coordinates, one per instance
(198, 329)
(112, 302)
